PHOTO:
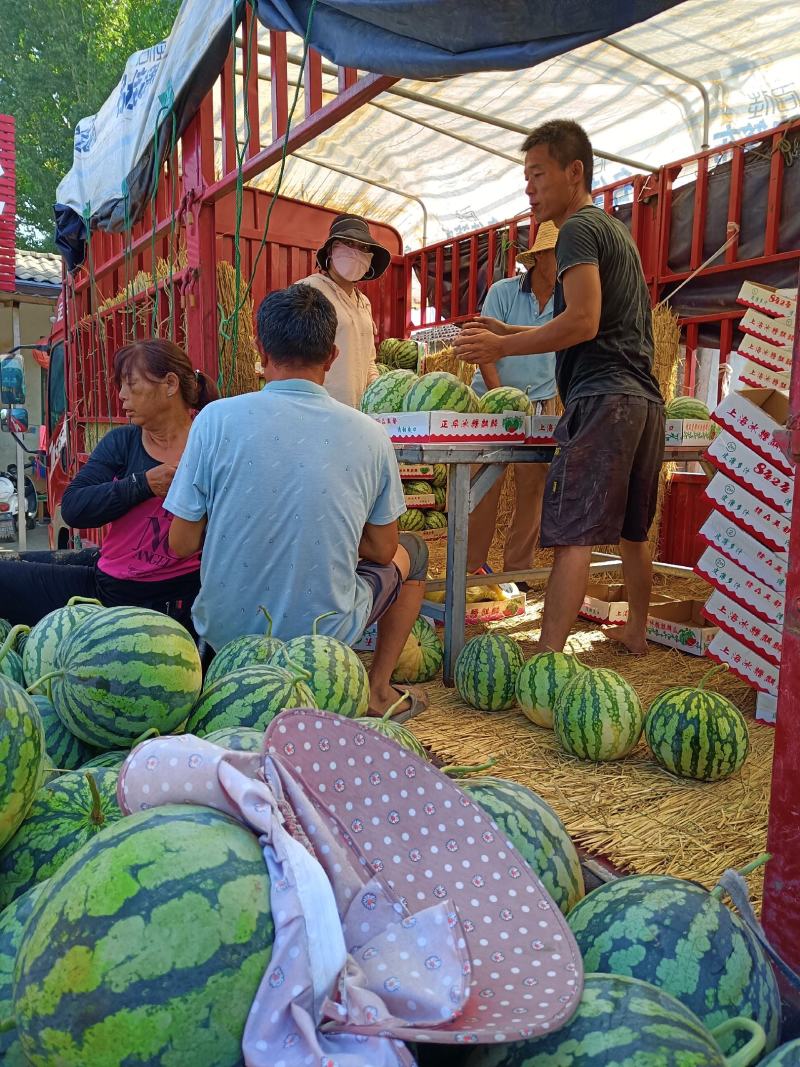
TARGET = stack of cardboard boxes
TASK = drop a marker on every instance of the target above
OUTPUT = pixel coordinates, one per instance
(747, 533)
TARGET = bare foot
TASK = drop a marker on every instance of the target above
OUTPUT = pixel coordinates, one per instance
(634, 644)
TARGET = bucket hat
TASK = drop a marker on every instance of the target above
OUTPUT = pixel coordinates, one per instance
(354, 228)
(434, 927)
(546, 237)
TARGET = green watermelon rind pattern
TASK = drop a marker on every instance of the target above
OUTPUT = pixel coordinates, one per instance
(486, 671)
(412, 520)
(440, 391)
(167, 915)
(22, 754)
(787, 1055)
(251, 650)
(338, 679)
(251, 696)
(386, 393)
(675, 935)
(64, 749)
(238, 738)
(696, 733)
(597, 716)
(422, 655)
(505, 398)
(13, 921)
(539, 682)
(46, 639)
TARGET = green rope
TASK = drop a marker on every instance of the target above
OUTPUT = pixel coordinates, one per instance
(167, 102)
(127, 223)
(99, 350)
(172, 224)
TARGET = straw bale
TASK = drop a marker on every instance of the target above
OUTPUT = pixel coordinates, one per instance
(237, 369)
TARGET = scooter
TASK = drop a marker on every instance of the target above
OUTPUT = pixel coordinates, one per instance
(8, 509)
(31, 499)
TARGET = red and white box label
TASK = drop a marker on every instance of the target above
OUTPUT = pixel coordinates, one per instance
(769, 483)
(763, 639)
(720, 533)
(766, 524)
(747, 374)
(742, 587)
(751, 668)
(776, 331)
(754, 416)
(539, 429)
(771, 301)
(771, 356)
(449, 426)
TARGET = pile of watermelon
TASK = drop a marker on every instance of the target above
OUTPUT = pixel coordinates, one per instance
(394, 352)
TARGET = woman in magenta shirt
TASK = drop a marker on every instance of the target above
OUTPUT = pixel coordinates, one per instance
(123, 485)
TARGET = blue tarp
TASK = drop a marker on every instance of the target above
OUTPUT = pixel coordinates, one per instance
(425, 39)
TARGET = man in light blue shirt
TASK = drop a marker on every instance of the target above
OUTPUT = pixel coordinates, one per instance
(525, 300)
(298, 497)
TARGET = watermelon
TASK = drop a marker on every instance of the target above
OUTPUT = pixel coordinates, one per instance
(65, 813)
(695, 733)
(439, 478)
(10, 660)
(597, 715)
(251, 696)
(395, 352)
(5, 629)
(251, 650)
(12, 925)
(395, 731)
(440, 391)
(417, 488)
(238, 738)
(123, 671)
(64, 750)
(113, 759)
(338, 680)
(540, 679)
(421, 658)
(386, 393)
(687, 407)
(413, 519)
(49, 634)
(534, 829)
(148, 946)
(787, 1055)
(486, 671)
(382, 368)
(22, 751)
(505, 398)
(440, 497)
(621, 1022)
(677, 936)
(435, 520)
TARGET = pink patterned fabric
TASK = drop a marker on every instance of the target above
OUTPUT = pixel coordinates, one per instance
(401, 913)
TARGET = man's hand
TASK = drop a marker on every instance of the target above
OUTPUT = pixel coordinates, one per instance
(476, 344)
(490, 324)
(160, 479)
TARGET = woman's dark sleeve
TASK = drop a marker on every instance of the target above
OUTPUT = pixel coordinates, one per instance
(103, 490)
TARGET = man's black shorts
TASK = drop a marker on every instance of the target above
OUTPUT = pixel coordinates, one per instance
(603, 481)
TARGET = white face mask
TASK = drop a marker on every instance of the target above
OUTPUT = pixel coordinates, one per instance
(350, 263)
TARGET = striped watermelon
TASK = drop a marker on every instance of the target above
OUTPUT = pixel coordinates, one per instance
(5, 629)
(435, 520)
(486, 671)
(395, 352)
(439, 478)
(49, 634)
(422, 655)
(417, 488)
(535, 831)
(395, 731)
(697, 734)
(169, 964)
(440, 497)
(621, 1022)
(338, 680)
(238, 738)
(252, 696)
(382, 368)
(123, 671)
(540, 679)
(505, 398)
(64, 750)
(251, 650)
(413, 519)
(440, 391)
(12, 925)
(681, 938)
(597, 715)
(686, 407)
(10, 659)
(22, 750)
(386, 393)
(65, 814)
(113, 759)
(787, 1055)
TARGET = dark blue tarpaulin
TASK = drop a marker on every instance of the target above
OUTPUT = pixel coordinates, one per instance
(442, 38)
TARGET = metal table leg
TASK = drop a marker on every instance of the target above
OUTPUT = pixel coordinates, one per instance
(455, 599)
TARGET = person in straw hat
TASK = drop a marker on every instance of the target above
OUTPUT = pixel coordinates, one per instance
(525, 300)
(350, 255)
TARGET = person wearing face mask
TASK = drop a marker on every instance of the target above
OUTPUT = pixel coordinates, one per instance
(350, 255)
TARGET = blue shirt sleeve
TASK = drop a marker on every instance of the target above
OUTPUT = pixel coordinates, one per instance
(494, 306)
(189, 493)
(390, 503)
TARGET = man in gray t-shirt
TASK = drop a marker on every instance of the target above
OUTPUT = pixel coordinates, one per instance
(295, 500)
(602, 485)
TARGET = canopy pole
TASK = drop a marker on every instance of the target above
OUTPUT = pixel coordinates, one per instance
(675, 74)
(371, 181)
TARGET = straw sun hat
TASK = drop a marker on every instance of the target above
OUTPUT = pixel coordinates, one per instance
(546, 237)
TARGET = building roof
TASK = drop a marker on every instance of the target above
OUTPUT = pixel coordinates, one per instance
(42, 268)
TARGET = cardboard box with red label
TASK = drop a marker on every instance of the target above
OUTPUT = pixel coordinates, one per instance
(740, 586)
(412, 472)
(765, 640)
(768, 525)
(774, 302)
(539, 429)
(776, 331)
(689, 432)
(772, 356)
(608, 603)
(680, 624)
(750, 375)
(754, 416)
(769, 483)
(767, 708)
(412, 427)
(746, 664)
(723, 535)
